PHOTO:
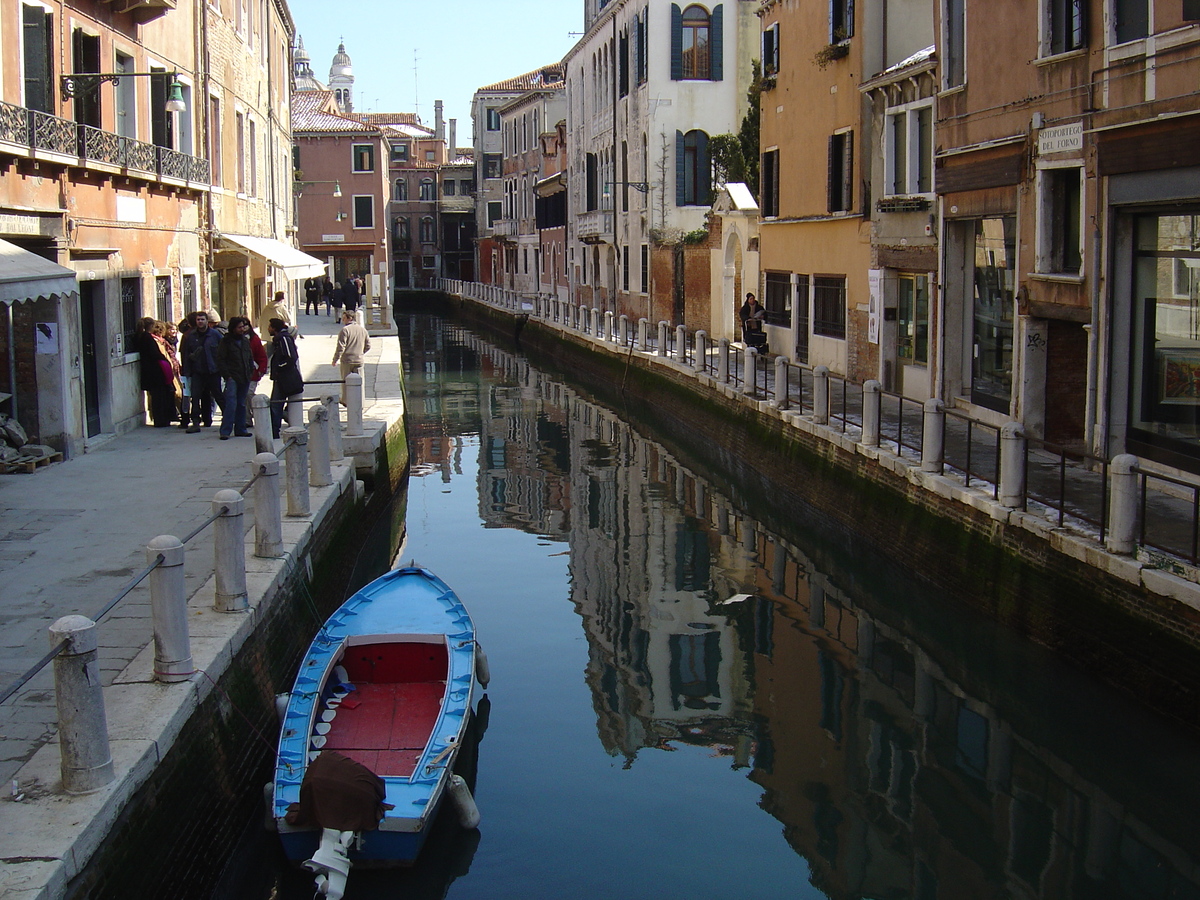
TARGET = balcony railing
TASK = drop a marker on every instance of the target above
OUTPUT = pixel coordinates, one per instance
(595, 226)
(39, 131)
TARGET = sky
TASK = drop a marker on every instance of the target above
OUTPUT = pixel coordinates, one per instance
(459, 46)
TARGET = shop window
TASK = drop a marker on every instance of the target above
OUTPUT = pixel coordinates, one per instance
(993, 276)
(912, 319)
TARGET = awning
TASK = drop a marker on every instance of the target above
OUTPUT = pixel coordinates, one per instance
(27, 276)
(295, 264)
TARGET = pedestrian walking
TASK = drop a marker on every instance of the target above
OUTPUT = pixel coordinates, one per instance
(199, 364)
(287, 382)
(350, 293)
(235, 362)
(278, 308)
(352, 344)
(327, 294)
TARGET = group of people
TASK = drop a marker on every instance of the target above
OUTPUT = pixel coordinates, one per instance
(340, 295)
(200, 364)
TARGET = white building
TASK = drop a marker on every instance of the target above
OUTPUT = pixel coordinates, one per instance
(648, 85)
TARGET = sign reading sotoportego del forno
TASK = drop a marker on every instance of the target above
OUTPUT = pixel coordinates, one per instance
(1060, 138)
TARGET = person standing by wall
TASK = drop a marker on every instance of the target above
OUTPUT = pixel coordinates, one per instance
(199, 363)
(312, 296)
(235, 362)
(352, 344)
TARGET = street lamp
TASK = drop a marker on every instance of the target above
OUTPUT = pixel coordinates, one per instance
(87, 83)
(337, 187)
(640, 186)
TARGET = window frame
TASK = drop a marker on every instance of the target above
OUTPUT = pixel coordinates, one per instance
(913, 173)
(491, 118)
(398, 152)
(954, 65)
(357, 207)
(700, 68)
(769, 169)
(1113, 9)
(357, 154)
(400, 190)
(1076, 34)
(1052, 234)
(770, 49)
(778, 303)
(840, 175)
(825, 296)
(427, 190)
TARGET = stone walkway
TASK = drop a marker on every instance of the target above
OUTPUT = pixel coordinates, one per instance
(73, 534)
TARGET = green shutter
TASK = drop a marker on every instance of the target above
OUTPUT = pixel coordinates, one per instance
(716, 43)
(676, 43)
(680, 174)
(704, 167)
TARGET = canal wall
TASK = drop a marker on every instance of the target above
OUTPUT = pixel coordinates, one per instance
(1134, 625)
(190, 758)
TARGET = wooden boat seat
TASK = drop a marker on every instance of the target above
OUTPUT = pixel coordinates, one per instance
(386, 721)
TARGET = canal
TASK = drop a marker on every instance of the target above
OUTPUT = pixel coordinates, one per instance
(687, 704)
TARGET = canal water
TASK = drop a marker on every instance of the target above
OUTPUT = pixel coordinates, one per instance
(685, 704)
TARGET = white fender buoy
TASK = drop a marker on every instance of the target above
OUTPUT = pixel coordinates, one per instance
(281, 705)
(269, 822)
(464, 803)
(483, 672)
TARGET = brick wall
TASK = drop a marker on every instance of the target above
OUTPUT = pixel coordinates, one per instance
(1066, 382)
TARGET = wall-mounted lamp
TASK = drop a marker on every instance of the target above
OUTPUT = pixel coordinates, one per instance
(641, 186)
(86, 83)
(337, 187)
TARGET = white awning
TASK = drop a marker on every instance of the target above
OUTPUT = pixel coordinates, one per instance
(27, 276)
(295, 264)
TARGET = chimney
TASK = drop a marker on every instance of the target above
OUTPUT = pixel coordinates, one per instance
(452, 151)
(439, 130)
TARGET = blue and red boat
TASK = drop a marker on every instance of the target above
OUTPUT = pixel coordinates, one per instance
(374, 721)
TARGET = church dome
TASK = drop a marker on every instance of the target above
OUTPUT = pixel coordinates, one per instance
(341, 63)
(301, 55)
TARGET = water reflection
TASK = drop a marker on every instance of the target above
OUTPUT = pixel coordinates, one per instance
(907, 749)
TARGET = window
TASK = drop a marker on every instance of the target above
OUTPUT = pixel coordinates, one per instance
(592, 182)
(912, 319)
(696, 43)
(840, 187)
(430, 156)
(162, 123)
(1131, 19)
(162, 298)
(253, 153)
(829, 306)
(777, 299)
(362, 158)
(693, 169)
(491, 165)
(38, 59)
(428, 190)
(214, 136)
(428, 262)
(770, 49)
(770, 184)
(399, 153)
(428, 231)
(841, 20)
(494, 212)
(125, 106)
(364, 211)
(954, 46)
(493, 119)
(131, 309)
(909, 151)
(645, 268)
(1061, 226)
(1066, 26)
(448, 188)
(623, 65)
(240, 123)
(642, 67)
(400, 189)
(400, 233)
(625, 269)
(85, 51)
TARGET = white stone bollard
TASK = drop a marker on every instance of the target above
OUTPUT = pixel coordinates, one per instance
(781, 382)
(624, 326)
(723, 361)
(229, 552)
(681, 343)
(293, 409)
(596, 324)
(1122, 534)
(295, 464)
(701, 358)
(330, 402)
(260, 406)
(643, 336)
(750, 372)
(872, 412)
(933, 436)
(1012, 465)
(354, 405)
(662, 338)
(168, 610)
(86, 761)
(821, 395)
(268, 518)
(610, 334)
(319, 472)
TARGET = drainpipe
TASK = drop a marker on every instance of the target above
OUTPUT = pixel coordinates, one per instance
(204, 78)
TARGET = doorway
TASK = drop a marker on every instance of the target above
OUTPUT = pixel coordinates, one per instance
(91, 316)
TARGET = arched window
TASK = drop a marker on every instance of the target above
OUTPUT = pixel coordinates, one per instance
(400, 189)
(400, 233)
(428, 191)
(428, 234)
(693, 169)
(696, 61)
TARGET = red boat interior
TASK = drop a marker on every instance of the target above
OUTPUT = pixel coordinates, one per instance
(385, 722)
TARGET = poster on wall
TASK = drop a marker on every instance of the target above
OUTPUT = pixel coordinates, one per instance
(46, 337)
(875, 303)
(1179, 374)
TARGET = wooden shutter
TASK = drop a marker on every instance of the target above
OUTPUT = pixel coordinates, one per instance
(848, 170)
(676, 42)
(833, 169)
(39, 65)
(680, 171)
(716, 43)
(704, 177)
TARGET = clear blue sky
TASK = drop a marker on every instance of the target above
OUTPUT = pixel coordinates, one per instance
(460, 45)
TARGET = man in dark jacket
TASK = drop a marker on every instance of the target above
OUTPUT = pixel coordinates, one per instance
(199, 363)
(235, 362)
(286, 380)
(350, 292)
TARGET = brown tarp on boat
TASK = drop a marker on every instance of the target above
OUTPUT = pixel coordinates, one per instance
(338, 793)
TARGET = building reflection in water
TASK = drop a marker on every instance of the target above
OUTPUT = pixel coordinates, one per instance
(905, 753)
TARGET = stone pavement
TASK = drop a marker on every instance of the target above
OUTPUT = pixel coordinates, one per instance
(73, 534)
